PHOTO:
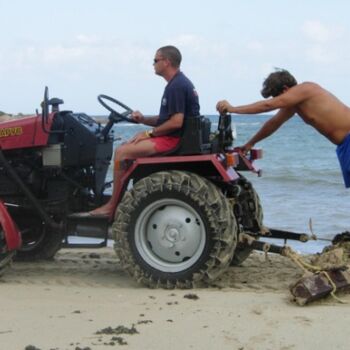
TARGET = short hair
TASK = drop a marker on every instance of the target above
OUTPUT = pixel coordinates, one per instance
(172, 53)
(276, 82)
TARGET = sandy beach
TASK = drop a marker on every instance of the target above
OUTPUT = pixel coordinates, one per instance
(83, 300)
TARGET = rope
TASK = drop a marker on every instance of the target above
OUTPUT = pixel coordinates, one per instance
(325, 273)
(297, 259)
(307, 268)
(266, 249)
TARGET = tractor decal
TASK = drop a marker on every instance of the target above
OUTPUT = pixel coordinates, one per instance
(15, 131)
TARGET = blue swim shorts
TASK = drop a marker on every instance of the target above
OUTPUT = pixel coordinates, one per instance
(343, 152)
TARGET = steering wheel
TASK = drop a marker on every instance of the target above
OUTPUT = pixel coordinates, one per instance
(116, 116)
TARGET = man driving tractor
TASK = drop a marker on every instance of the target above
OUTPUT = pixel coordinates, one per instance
(179, 101)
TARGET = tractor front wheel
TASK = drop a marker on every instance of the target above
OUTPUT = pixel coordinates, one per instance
(39, 242)
(173, 229)
(5, 255)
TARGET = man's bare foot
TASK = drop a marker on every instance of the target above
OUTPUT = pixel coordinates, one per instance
(105, 210)
(102, 212)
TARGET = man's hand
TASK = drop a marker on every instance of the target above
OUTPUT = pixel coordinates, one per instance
(139, 137)
(138, 117)
(246, 148)
(223, 107)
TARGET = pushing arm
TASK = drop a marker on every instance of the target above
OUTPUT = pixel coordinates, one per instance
(269, 127)
(288, 99)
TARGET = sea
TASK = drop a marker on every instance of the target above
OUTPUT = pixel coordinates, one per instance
(300, 182)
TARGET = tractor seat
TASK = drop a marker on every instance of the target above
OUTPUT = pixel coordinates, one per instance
(194, 138)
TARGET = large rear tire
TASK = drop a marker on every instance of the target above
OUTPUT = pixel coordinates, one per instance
(250, 217)
(174, 229)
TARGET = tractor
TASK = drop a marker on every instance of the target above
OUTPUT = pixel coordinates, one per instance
(180, 218)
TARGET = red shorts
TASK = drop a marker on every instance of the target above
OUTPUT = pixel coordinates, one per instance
(165, 143)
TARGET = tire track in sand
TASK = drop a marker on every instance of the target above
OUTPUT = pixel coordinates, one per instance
(72, 267)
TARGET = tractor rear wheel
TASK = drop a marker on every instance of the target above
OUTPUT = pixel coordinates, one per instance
(250, 216)
(174, 229)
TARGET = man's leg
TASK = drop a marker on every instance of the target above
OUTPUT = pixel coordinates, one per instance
(143, 148)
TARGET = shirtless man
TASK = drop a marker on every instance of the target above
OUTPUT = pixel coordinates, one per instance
(315, 105)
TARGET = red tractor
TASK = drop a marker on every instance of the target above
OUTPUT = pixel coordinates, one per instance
(178, 218)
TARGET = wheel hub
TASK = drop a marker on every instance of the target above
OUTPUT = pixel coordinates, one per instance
(170, 235)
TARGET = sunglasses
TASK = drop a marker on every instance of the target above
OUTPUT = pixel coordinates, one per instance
(156, 60)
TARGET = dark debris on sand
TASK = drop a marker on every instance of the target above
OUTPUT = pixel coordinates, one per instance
(118, 330)
(191, 296)
(119, 340)
(144, 321)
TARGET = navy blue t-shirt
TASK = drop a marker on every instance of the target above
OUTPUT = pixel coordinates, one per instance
(180, 96)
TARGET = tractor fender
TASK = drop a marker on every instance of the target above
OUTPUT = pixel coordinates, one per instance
(204, 165)
(12, 235)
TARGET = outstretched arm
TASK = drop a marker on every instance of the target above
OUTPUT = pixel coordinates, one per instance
(269, 127)
(290, 98)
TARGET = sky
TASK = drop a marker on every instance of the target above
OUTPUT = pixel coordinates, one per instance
(83, 48)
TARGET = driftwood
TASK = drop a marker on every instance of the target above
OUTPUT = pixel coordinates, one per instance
(327, 273)
(319, 285)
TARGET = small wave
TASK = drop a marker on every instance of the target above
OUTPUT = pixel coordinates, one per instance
(299, 179)
(248, 124)
(132, 125)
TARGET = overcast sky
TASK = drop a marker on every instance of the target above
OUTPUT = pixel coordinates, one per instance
(82, 48)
